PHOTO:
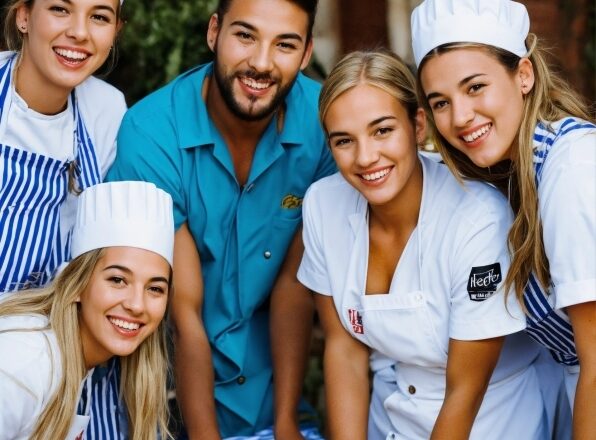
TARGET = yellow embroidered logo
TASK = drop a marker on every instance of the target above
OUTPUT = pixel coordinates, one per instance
(291, 201)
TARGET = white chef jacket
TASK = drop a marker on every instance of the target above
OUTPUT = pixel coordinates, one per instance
(30, 369)
(448, 284)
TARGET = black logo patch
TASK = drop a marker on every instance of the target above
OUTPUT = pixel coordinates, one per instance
(483, 281)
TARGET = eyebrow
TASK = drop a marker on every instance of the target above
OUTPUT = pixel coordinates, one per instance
(129, 272)
(369, 125)
(463, 82)
(99, 7)
(286, 36)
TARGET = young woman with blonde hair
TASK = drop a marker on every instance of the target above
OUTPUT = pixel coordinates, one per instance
(108, 301)
(408, 267)
(502, 116)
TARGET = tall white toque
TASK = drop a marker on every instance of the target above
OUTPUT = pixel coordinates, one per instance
(132, 214)
(500, 23)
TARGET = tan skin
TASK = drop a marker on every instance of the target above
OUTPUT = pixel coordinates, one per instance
(451, 101)
(365, 145)
(268, 37)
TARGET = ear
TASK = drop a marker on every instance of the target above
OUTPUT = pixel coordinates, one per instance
(420, 122)
(307, 54)
(525, 75)
(212, 32)
(22, 18)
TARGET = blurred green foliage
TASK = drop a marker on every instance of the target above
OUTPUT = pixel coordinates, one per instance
(159, 40)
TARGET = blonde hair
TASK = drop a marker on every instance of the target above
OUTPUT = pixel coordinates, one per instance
(381, 69)
(143, 373)
(550, 99)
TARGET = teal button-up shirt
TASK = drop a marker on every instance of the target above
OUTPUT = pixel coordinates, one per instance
(242, 234)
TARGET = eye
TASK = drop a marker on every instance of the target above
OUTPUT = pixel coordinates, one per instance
(474, 88)
(341, 142)
(157, 289)
(58, 10)
(383, 131)
(101, 18)
(117, 280)
(287, 46)
(244, 35)
(438, 105)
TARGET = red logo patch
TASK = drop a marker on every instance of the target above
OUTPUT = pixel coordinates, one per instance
(356, 321)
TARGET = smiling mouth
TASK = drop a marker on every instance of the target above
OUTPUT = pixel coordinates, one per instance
(71, 56)
(371, 177)
(477, 134)
(125, 325)
(257, 85)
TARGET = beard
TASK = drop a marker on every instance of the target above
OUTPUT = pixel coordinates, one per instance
(225, 85)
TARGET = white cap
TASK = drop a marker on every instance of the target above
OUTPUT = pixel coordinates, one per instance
(500, 23)
(133, 214)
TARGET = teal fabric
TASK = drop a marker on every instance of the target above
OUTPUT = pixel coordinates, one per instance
(242, 234)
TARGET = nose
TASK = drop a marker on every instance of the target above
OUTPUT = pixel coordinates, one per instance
(78, 27)
(261, 59)
(366, 154)
(462, 111)
(134, 300)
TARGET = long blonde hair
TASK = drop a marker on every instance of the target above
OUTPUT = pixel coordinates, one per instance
(550, 99)
(143, 373)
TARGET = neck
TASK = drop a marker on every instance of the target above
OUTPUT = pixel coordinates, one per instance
(40, 96)
(401, 214)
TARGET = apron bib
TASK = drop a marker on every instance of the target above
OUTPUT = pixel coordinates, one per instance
(33, 188)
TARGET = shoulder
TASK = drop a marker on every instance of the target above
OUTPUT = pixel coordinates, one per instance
(29, 358)
(307, 90)
(101, 99)
(5, 56)
(566, 142)
(332, 199)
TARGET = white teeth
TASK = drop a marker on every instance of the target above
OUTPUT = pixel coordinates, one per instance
(255, 84)
(125, 324)
(473, 136)
(377, 175)
(71, 54)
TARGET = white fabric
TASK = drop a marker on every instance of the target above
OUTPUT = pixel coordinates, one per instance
(29, 373)
(567, 195)
(134, 214)
(499, 23)
(102, 107)
(428, 303)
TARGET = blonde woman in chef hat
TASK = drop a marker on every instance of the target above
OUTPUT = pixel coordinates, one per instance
(501, 115)
(108, 302)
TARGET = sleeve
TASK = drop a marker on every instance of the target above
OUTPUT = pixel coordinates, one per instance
(141, 157)
(313, 270)
(479, 309)
(567, 199)
(17, 406)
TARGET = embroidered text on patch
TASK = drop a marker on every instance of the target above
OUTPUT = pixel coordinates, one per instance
(356, 321)
(483, 281)
(291, 201)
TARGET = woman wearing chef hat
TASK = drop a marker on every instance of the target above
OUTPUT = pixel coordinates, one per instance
(409, 266)
(58, 127)
(502, 116)
(108, 302)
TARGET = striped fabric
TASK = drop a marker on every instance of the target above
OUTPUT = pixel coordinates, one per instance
(32, 190)
(547, 326)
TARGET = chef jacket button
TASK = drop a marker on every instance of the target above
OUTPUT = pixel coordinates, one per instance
(241, 380)
(419, 297)
(267, 254)
(412, 389)
(392, 435)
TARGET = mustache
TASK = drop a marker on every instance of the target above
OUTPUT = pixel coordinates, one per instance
(257, 76)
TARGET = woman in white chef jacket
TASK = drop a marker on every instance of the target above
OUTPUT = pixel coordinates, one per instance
(108, 302)
(497, 105)
(408, 266)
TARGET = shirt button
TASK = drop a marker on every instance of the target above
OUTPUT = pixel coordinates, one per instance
(267, 254)
(241, 380)
(392, 435)
(412, 389)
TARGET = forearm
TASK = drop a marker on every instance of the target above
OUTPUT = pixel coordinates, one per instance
(457, 415)
(291, 328)
(347, 393)
(195, 386)
(584, 407)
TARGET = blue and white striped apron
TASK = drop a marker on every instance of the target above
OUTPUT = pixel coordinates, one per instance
(32, 190)
(550, 327)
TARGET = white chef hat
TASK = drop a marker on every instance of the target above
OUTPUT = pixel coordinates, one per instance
(133, 214)
(500, 23)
